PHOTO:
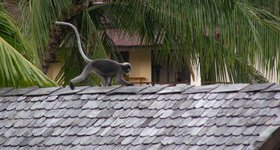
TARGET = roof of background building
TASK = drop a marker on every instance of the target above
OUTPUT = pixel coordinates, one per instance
(124, 39)
(237, 116)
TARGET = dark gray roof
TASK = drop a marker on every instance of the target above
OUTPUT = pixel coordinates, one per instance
(238, 116)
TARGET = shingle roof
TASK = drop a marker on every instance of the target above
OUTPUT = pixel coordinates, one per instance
(124, 39)
(238, 116)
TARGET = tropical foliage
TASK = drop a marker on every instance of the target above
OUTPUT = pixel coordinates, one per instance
(227, 36)
(16, 55)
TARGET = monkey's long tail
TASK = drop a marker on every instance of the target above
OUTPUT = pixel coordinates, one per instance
(78, 39)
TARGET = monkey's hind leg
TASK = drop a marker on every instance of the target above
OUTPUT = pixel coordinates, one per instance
(88, 68)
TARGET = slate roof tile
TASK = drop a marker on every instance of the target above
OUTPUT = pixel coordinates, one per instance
(75, 104)
(3, 123)
(13, 141)
(276, 122)
(84, 113)
(18, 92)
(64, 130)
(103, 105)
(209, 104)
(72, 113)
(21, 124)
(182, 117)
(45, 98)
(21, 98)
(274, 112)
(153, 89)
(88, 131)
(42, 91)
(198, 96)
(128, 90)
(273, 88)
(185, 104)
(201, 89)
(68, 141)
(3, 106)
(179, 88)
(274, 103)
(5, 90)
(211, 96)
(93, 114)
(229, 88)
(157, 105)
(177, 104)
(51, 141)
(3, 140)
(98, 122)
(48, 132)
(228, 104)
(177, 114)
(257, 87)
(72, 97)
(145, 104)
(11, 106)
(133, 105)
(200, 104)
(256, 96)
(67, 90)
(176, 96)
(267, 95)
(10, 132)
(230, 95)
(277, 95)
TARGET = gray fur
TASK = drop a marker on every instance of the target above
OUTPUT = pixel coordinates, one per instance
(106, 69)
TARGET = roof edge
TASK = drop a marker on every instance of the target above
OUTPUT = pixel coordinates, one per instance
(272, 142)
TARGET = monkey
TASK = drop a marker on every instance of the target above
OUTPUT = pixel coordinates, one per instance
(106, 69)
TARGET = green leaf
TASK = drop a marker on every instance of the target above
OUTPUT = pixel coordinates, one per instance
(16, 71)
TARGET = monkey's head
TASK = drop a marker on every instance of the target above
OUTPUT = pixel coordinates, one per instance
(126, 67)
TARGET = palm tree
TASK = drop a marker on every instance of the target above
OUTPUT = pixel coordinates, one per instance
(226, 36)
(17, 57)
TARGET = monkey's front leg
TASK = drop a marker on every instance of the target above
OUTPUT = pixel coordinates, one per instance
(109, 81)
(121, 81)
(106, 80)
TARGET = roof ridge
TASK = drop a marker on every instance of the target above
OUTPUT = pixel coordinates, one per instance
(142, 89)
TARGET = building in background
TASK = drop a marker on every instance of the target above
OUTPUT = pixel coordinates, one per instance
(145, 67)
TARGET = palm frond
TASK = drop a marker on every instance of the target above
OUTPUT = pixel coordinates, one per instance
(44, 13)
(213, 31)
(11, 33)
(16, 71)
(202, 27)
(244, 68)
(92, 36)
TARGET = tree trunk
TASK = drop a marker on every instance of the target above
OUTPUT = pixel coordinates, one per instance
(55, 36)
